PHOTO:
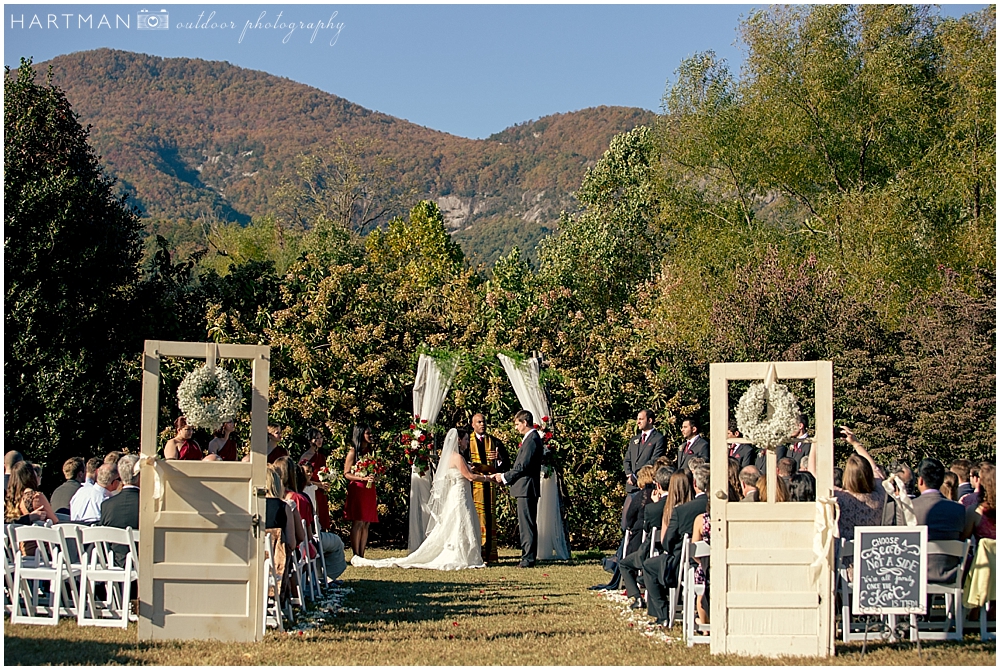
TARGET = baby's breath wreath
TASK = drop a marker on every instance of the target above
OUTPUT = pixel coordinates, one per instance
(208, 397)
(767, 432)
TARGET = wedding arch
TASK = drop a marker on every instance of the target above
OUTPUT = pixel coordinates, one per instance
(431, 385)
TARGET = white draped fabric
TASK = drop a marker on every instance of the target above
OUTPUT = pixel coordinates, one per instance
(528, 388)
(429, 390)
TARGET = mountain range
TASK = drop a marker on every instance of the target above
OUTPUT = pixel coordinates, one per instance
(191, 139)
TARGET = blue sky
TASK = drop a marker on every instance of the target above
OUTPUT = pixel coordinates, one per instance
(470, 70)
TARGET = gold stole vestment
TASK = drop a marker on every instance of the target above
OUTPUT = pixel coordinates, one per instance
(484, 496)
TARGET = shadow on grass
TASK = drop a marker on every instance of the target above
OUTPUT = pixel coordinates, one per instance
(22, 647)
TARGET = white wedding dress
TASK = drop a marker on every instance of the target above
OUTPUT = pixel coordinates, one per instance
(452, 541)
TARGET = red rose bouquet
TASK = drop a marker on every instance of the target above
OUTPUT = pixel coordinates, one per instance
(369, 466)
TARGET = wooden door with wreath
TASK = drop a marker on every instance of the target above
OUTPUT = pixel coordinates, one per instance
(202, 523)
(771, 571)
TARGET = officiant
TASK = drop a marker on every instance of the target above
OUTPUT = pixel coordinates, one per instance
(487, 455)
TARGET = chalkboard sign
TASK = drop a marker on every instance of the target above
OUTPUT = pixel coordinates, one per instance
(890, 570)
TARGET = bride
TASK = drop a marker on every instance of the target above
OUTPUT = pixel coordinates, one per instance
(452, 541)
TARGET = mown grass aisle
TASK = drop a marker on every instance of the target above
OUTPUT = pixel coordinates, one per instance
(495, 616)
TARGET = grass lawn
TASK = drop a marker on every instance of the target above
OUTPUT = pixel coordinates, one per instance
(494, 616)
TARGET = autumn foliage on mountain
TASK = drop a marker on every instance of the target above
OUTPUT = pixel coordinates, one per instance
(192, 139)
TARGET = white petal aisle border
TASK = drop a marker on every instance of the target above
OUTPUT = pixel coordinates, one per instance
(637, 619)
(321, 612)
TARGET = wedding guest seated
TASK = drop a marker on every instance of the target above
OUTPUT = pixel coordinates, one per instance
(981, 520)
(735, 490)
(786, 468)
(962, 468)
(781, 495)
(945, 519)
(92, 465)
(660, 572)
(75, 471)
(748, 483)
(122, 510)
(692, 463)
(652, 513)
(702, 532)
(972, 499)
(949, 487)
(636, 503)
(23, 502)
(10, 459)
(802, 487)
(183, 446)
(112, 457)
(862, 498)
(85, 506)
(838, 477)
(331, 546)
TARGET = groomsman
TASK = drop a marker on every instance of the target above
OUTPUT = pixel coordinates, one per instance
(643, 449)
(488, 455)
(694, 446)
(799, 450)
(524, 480)
(745, 453)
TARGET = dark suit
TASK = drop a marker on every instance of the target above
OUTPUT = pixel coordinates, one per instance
(639, 453)
(945, 520)
(524, 479)
(121, 511)
(964, 489)
(697, 449)
(632, 563)
(779, 452)
(746, 454)
(799, 452)
(62, 495)
(657, 570)
(751, 496)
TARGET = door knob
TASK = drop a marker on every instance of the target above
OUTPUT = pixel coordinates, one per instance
(722, 495)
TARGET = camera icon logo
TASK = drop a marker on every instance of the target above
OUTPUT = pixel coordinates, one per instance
(154, 21)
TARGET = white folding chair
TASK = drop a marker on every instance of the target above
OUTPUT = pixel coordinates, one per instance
(952, 627)
(8, 567)
(272, 613)
(673, 597)
(319, 543)
(49, 564)
(311, 554)
(99, 568)
(691, 593)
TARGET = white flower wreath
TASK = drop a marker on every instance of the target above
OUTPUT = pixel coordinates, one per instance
(767, 433)
(209, 397)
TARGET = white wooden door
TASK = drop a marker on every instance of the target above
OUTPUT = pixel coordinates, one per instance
(765, 600)
(201, 559)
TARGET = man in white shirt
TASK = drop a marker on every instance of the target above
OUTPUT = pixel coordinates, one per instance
(85, 505)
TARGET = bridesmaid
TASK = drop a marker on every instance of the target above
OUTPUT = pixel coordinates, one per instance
(183, 447)
(362, 505)
(223, 446)
(317, 460)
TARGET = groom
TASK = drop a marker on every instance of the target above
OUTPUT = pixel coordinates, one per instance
(524, 481)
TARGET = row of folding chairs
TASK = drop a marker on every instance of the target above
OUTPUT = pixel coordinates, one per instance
(686, 585)
(306, 575)
(72, 572)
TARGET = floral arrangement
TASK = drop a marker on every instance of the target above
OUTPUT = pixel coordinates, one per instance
(369, 466)
(325, 475)
(208, 397)
(415, 444)
(550, 456)
(784, 414)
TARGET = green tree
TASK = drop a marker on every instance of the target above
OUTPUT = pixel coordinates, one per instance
(71, 266)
